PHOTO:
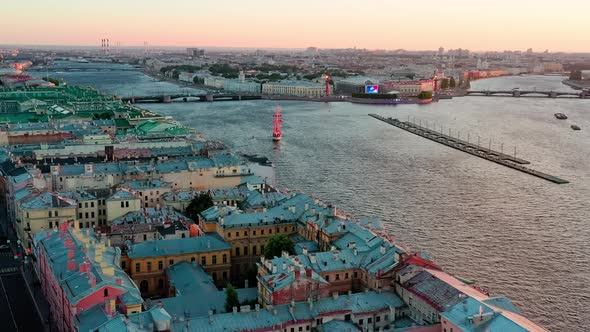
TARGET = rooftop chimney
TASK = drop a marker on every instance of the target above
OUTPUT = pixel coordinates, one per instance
(297, 273)
(308, 272)
(305, 251)
(71, 265)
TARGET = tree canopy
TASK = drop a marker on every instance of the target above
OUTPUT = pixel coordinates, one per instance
(231, 298)
(452, 83)
(199, 204)
(276, 244)
(576, 75)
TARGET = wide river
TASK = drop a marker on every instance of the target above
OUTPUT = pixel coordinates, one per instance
(516, 234)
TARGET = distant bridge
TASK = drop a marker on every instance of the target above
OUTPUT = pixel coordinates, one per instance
(527, 93)
(189, 98)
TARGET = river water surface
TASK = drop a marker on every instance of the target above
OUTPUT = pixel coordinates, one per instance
(516, 234)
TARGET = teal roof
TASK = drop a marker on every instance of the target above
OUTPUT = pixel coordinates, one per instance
(78, 195)
(48, 200)
(339, 325)
(264, 319)
(121, 194)
(466, 315)
(145, 184)
(54, 245)
(204, 243)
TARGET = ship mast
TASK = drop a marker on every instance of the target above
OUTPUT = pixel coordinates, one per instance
(277, 120)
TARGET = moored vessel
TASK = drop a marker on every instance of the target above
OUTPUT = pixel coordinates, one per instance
(560, 116)
(277, 121)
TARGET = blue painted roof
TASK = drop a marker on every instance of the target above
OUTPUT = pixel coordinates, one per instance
(77, 285)
(78, 195)
(48, 200)
(204, 243)
(355, 303)
(145, 184)
(466, 315)
(122, 194)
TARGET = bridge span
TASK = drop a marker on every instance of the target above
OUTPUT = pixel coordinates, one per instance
(528, 93)
(189, 98)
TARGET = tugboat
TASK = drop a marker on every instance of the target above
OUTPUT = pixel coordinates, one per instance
(278, 119)
(575, 127)
(560, 116)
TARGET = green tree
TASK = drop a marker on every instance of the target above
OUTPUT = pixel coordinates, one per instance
(51, 80)
(231, 298)
(199, 204)
(425, 95)
(444, 84)
(276, 244)
(452, 83)
(576, 75)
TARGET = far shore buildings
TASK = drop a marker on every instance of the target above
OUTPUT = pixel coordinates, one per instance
(294, 88)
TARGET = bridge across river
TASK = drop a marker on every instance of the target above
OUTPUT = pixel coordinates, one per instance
(189, 97)
(473, 149)
(528, 93)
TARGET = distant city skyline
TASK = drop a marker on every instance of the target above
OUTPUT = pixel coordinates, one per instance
(381, 24)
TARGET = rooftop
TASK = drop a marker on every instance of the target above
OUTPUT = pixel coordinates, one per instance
(181, 246)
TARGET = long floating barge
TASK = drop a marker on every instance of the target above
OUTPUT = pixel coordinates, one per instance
(491, 155)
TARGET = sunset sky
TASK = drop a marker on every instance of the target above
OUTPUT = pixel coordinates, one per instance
(386, 24)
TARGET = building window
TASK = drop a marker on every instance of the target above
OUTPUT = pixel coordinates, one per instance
(49, 214)
(123, 265)
(193, 259)
(224, 259)
(80, 215)
(80, 225)
(360, 322)
(160, 265)
(285, 229)
(126, 203)
(245, 251)
(80, 205)
(245, 233)
(149, 266)
(86, 204)
(355, 274)
(327, 278)
(237, 251)
(160, 283)
(50, 224)
(369, 320)
(214, 276)
(171, 262)
(214, 260)
(91, 204)
(86, 214)
(377, 319)
(56, 213)
(228, 234)
(122, 204)
(337, 276)
(262, 232)
(91, 214)
(137, 269)
(224, 275)
(254, 250)
(145, 237)
(262, 248)
(254, 232)
(106, 292)
(270, 231)
(346, 275)
(203, 260)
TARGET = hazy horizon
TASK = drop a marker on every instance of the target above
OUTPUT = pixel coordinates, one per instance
(381, 24)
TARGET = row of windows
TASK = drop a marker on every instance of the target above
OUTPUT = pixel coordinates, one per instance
(124, 204)
(337, 277)
(91, 215)
(171, 262)
(85, 204)
(237, 251)
(245, 233)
